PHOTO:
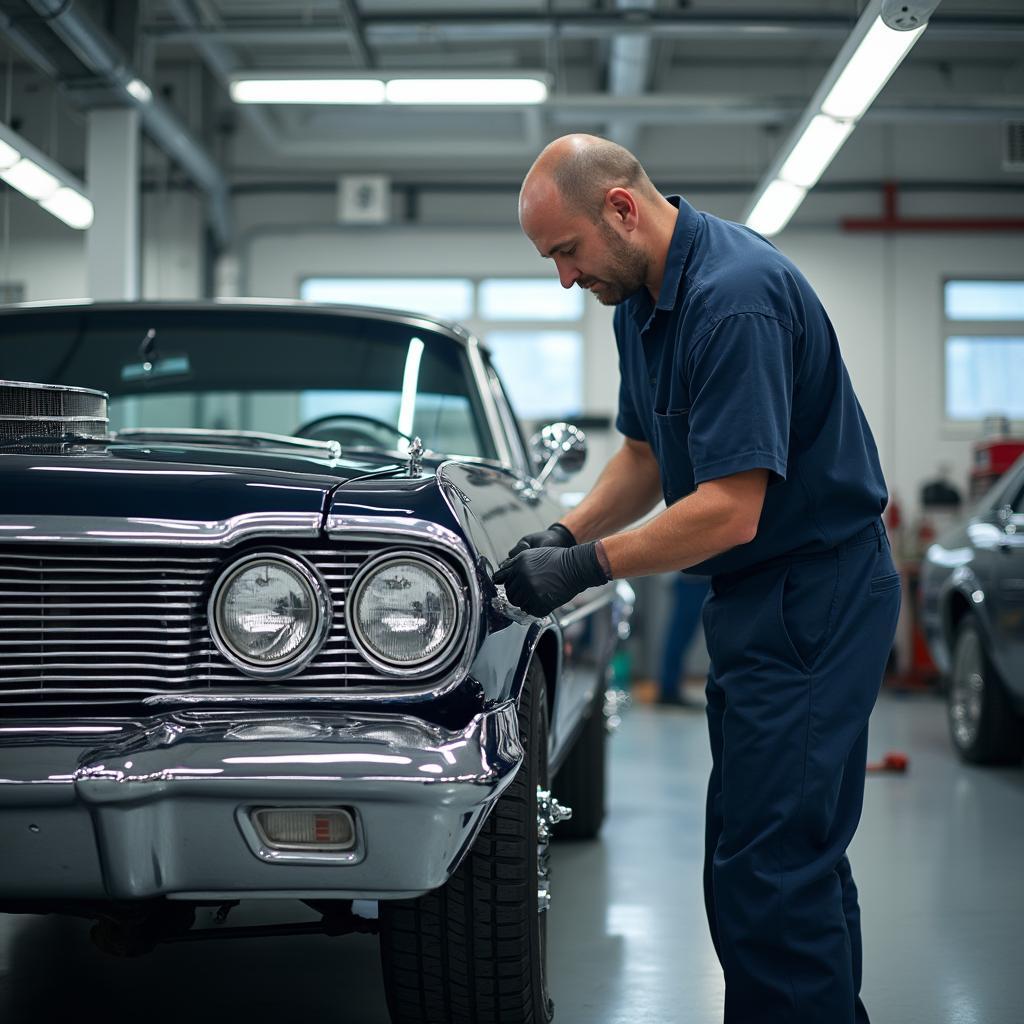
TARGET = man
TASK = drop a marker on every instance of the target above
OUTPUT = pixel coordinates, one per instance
(737, 408)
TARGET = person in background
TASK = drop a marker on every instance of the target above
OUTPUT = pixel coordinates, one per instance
(688, 594)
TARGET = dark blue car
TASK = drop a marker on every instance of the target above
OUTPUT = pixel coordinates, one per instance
(250, 646)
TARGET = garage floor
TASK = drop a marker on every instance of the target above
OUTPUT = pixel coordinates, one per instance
(938, 857)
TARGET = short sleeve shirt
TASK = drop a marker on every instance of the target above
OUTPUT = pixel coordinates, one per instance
(737, 367)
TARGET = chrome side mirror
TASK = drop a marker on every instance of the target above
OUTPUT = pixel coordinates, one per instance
(558, 447)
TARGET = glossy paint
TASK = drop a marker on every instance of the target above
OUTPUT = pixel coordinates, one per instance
(977, 568)
(111, 807)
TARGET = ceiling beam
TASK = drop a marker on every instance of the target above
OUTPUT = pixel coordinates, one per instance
(382, 30)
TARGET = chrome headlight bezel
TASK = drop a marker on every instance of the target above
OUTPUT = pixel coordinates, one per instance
(321, 602)
(453, 645)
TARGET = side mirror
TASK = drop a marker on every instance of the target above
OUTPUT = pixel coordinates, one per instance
(559, 449)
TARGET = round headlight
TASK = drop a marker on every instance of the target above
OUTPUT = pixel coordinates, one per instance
(269, 614)
(405, 612)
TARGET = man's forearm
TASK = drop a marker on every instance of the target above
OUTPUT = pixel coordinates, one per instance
(627, 489)
(716, 517)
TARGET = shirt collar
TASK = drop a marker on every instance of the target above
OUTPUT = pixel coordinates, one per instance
(675, 261)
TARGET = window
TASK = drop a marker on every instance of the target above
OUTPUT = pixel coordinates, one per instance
(984, 350)
(542, 371)
(447, 298)
(533, 327)
(529, 299)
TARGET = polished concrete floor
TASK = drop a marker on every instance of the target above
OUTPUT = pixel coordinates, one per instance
(939, 858)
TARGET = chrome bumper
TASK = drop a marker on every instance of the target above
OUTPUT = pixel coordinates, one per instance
(162, 807)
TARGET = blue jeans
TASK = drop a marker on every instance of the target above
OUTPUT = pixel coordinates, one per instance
(688, 596)
(798, 651)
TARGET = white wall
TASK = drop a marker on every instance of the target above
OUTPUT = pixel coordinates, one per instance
(883, 292)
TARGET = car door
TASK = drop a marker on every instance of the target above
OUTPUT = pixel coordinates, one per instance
(1007, 589)
(586, 620)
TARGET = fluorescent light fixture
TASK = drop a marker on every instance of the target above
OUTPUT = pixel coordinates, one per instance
(71, 207)
(400, 89)
(410, 383)
(9, 156)
(472, 91)
(871, 66)
(138, 88)
(30, 179)
(307, 90)
(777, 204)
(865, 63)
(41, 179)
(820, 142)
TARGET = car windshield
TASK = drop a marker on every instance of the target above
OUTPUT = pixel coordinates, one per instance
(367, 382)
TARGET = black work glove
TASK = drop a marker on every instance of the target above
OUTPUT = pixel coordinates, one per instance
(555, 536)
(541, 579)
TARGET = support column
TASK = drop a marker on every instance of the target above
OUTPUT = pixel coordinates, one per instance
(112, 176)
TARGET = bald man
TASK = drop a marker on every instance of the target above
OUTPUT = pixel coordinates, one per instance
(737, 409)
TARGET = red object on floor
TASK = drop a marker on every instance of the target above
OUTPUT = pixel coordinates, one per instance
(892, 762)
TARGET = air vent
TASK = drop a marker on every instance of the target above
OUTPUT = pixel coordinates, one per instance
(1013, 146)
(33, 412)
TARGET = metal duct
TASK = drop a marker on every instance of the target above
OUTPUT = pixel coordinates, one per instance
(101, 55)
(629, 67)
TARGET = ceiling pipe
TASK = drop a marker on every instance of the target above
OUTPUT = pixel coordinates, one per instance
(101, 55)
(383, 30)
(892, 221)
(629, 66)
(222, 63)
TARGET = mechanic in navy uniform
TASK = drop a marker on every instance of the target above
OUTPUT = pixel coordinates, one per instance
(737, 409)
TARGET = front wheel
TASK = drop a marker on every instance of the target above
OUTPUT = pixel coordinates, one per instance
(475, 950)
(982, 723)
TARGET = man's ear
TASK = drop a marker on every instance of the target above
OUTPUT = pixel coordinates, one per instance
(623, 207)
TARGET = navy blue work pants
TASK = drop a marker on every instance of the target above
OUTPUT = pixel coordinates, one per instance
(798, 649)
(684, 617)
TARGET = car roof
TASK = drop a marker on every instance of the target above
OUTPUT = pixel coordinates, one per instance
(450, 328)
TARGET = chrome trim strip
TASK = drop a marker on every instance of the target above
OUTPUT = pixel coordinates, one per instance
(497, 429)
(8, 418)
(163, 435)
(607, 596)
(163, 532)
(418, 669)
(321, 629)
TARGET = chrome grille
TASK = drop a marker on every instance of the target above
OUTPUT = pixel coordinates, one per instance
(42, 411)
(104, 627)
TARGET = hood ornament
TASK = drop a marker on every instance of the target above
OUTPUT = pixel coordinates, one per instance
(416, 450)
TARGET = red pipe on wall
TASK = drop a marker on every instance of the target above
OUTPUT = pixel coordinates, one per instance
(892, 221)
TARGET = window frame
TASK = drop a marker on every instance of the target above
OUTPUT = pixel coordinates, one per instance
(958, 428)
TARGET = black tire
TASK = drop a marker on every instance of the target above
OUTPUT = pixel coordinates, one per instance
(581, 782)
(983, 724)
(475, 950)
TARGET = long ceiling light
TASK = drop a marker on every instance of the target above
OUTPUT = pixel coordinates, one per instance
(398, 89)
(865, 63)
(43, 180)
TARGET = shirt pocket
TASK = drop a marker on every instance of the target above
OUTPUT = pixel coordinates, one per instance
(671, 444)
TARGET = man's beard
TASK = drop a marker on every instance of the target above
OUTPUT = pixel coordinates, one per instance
(626, 272)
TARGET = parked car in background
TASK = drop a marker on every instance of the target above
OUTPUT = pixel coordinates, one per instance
(250, 646)
(972, 594)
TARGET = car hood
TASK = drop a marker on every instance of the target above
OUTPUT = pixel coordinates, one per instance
(176, 482)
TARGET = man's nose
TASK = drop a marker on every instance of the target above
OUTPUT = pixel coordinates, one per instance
(568, 275)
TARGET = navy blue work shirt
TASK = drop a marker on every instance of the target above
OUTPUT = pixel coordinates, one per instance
(737, 367)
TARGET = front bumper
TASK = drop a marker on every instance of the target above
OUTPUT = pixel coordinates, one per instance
(161, 807)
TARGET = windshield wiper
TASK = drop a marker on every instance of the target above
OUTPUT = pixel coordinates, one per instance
(243, 438)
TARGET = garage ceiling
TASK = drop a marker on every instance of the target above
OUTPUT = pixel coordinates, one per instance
(702, 89)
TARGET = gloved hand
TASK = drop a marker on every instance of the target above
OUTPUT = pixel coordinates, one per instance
(540, 579)
(555, 536)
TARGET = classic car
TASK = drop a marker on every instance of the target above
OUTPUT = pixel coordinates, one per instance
(250, 647)
(972, 606)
